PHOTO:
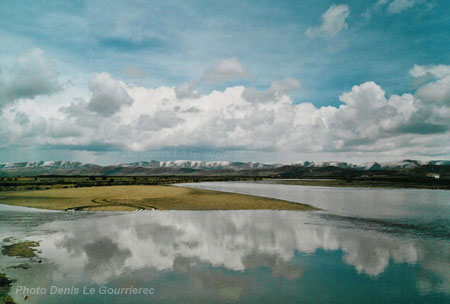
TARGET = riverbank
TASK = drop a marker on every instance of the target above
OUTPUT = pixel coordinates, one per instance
(364, 183)
(130, 198)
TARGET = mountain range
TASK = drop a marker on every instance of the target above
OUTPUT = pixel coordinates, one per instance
(188, 167)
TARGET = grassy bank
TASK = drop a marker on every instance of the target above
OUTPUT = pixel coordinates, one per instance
(65, 182)
(126, 198)
(362, 183)
(5, 286)
(62, 182)
(26, 249)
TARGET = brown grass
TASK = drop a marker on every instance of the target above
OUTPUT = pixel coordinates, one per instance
(126, 198)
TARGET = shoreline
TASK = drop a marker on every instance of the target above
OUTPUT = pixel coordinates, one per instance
(359, 183)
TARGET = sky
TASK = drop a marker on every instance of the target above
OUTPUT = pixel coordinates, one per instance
(271, 81)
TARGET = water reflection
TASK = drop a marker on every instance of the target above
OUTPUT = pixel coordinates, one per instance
(369, 246)
(424, 204)
(145, 244)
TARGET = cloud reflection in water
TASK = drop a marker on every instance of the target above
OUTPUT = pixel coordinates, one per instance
(102, 249)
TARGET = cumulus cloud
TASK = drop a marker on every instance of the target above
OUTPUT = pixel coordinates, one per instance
(333, 22)
(31, 76)
(437, 90)
(276, 90)
(21, 118)
(58, 128)
(225, 70)
(186, 90)
(438, 71)
(136, 118)
(108, 95)
(161, 120)
(367, 114)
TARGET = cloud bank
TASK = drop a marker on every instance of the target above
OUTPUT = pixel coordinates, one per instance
(31, 76)
(113, 114)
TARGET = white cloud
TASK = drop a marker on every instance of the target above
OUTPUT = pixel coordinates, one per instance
(225, 70)
(394, 6)
(374, 8)
(161, 120)
(186, 90)
(31, 76)
(398, 6)
(21, 118)
(108, 95)
(437, 90)
(276, 90)
(438, 71)
(360, 124)
(366, 95)
(136, 118)
(57, 128)
(333, 22)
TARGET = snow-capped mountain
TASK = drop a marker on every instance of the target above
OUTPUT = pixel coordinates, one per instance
(202, 165)
(402, 164)
(44, 164)
(198, 167)
(439, 162)
(142, 167)
(319, 164)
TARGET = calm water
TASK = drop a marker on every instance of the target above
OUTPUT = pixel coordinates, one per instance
(368, 246)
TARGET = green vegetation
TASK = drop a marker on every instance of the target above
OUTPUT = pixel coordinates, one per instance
(126, 198)
(26, 249)
(4, 281)
(63, 182)
(5, 284)
(6, 299)
(340, 178)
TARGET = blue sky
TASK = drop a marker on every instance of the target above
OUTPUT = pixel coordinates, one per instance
(165, 44)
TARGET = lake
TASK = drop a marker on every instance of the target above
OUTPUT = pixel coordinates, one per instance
(366, 246)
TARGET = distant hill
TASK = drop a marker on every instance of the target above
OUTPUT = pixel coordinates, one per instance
(216, 168)
(403, 164)
(152, 167)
